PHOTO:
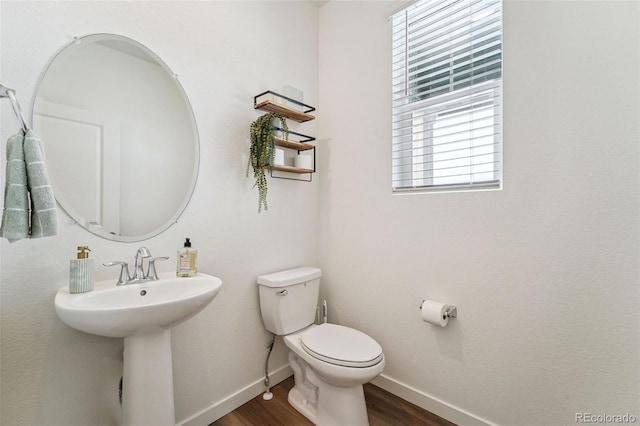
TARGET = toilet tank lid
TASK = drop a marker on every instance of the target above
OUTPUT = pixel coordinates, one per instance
(290, 277)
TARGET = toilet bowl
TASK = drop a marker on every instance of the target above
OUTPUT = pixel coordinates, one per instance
(330, 362)
(341, 355)
(327, 391)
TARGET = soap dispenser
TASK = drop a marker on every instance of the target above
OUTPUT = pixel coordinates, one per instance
(81, 272)
(187, 261)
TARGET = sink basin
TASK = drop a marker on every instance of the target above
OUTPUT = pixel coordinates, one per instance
(143, 314)
(113, 311)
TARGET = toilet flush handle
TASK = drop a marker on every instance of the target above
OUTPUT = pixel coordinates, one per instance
(282, 293)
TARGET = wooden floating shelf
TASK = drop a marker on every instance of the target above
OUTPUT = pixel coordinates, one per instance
(289, 113)
(274, 104)
(290, 169)
(300, 146)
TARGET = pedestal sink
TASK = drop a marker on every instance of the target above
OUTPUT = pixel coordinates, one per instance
(143, 314)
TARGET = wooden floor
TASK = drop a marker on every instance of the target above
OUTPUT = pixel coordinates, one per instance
(383, 408)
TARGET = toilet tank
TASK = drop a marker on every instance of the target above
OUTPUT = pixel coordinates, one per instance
(288, 299)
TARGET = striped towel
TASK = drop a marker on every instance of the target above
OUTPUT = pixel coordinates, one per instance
(27, 179)
(15, 216)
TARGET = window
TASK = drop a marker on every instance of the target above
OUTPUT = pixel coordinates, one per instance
(447, 95)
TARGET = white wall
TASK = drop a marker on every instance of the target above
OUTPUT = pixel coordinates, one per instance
(544, 273)
(224, 53)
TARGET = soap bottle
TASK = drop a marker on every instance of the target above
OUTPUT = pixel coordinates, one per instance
(187, 261)
(81, 272)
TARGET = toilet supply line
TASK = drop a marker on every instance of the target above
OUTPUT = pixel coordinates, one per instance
(267, 396)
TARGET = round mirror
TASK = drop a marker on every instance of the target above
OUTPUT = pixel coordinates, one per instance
(120, 137)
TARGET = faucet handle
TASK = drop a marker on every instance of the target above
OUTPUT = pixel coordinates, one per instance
(124, 271)
(151, 271)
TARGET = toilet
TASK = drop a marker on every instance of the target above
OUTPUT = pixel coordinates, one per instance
(330, 362)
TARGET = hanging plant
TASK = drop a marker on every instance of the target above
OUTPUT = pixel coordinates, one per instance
(262, 152)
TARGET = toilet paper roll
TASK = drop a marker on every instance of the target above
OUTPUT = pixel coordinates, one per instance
(278, 159)
(304, 162)
(434, 312)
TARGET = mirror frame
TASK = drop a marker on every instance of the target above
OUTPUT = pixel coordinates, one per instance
(194, 178)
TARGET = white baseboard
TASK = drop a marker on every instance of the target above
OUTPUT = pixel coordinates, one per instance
(429, 402)
(404, 391)
(230, 403)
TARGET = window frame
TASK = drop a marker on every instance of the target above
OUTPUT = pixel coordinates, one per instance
(433, 105)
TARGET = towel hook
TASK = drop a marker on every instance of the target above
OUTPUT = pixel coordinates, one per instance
(5, 92)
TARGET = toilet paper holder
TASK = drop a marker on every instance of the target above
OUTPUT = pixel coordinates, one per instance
(451, 312)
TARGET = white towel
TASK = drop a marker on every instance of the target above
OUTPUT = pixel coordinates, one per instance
(27, 177)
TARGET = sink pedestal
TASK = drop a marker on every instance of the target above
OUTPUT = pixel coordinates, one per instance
(147, 384)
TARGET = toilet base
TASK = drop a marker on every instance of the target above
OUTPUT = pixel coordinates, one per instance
(302, 404)
(325, 404)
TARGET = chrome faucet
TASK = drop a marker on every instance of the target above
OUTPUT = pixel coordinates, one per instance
(138, 273)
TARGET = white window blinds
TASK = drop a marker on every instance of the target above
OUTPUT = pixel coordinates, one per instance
(447, 91)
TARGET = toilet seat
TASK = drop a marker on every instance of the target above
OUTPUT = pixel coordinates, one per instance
(341, 345)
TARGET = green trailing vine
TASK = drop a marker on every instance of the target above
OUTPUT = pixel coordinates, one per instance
(262, 152)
